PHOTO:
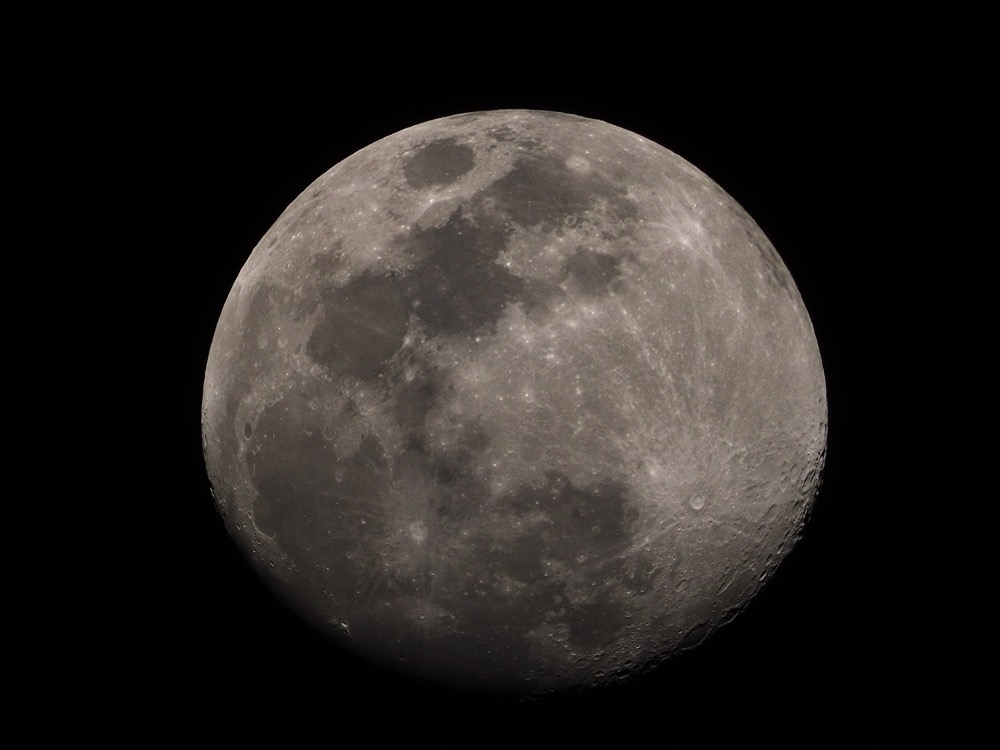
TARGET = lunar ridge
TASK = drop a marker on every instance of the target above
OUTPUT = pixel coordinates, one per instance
(515, 401)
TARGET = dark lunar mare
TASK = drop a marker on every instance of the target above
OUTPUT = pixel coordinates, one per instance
(456, 285)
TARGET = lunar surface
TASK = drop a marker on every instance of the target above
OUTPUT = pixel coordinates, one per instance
(515, 401)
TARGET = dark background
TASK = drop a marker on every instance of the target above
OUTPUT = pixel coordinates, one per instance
(852, 158)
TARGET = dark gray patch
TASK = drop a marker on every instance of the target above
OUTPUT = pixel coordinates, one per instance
(413, 402)
(456, 465)
(521, 559)
(412, 399)
(439, 163)
(596, 623)
(444, 473)
(474, 437)
(582, 520)
(538, 298)
(591, 272)
(323, 265)
(456, 286)
(363, 326)
(313, 501)
(541, 191)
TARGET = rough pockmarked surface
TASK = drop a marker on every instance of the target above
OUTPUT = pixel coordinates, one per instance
(515, 400)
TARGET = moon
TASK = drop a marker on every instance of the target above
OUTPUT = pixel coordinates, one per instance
(515, 401)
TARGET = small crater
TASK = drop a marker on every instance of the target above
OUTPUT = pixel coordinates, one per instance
(418, 531)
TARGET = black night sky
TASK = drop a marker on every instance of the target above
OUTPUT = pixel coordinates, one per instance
(850, 164)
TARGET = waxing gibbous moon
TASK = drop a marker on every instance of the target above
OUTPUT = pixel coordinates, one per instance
(515, 401)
